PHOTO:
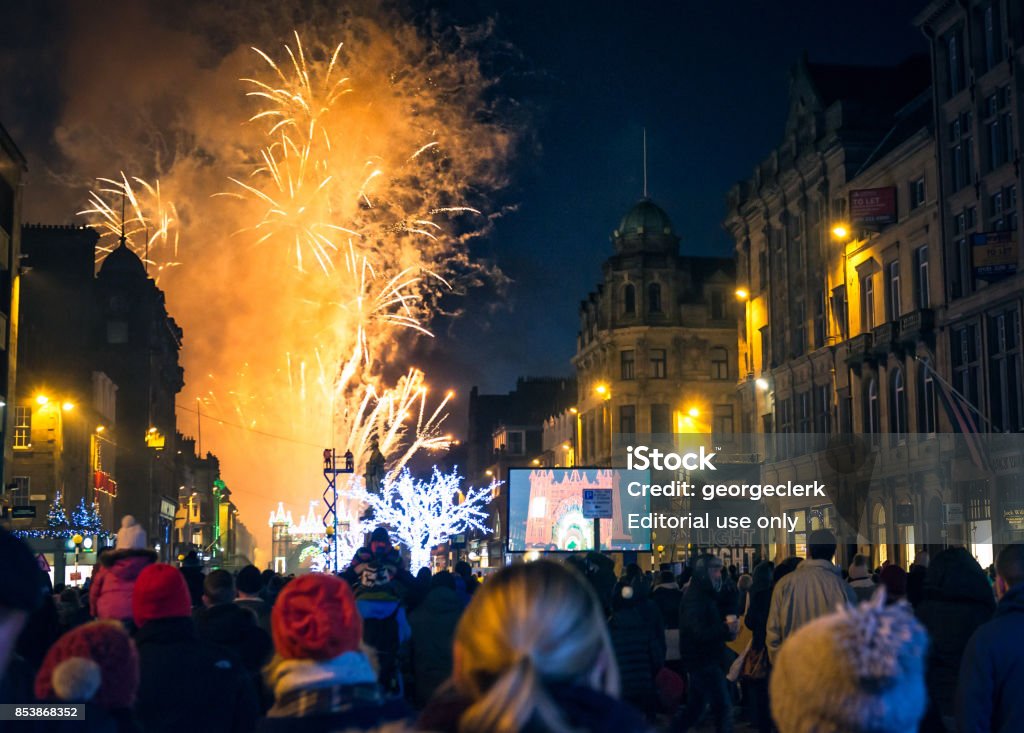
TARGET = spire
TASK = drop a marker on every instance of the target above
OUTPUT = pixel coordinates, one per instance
(645, 163)
(122, 219)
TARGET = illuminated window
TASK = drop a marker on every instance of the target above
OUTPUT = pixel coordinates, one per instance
(22, 427)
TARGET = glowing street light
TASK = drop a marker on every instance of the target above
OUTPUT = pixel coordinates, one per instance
(840, 231)
(68, 406)
(762, 384)
(42, 400)
(100, 428)
(601, 389)
(574, 411)
(742, 294)
(693, 412)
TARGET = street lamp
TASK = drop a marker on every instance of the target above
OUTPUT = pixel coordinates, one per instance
(840, 231)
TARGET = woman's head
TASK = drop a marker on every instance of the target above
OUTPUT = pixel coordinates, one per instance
(529, 625)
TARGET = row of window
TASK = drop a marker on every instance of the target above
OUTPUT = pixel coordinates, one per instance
(989, 47)
(721, 419)
(717, 299)
(657, 364)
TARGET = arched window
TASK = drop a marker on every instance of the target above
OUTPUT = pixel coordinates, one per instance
(898, 404)
(629, 300)
(871, 416)
(880, 535)
(925, 397)
(654, 298)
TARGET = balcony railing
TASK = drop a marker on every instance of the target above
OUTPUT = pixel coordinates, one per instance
(859, 349)
(916, 326)
(884, 338)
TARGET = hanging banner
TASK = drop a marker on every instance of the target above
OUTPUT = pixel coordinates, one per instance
(874, 206)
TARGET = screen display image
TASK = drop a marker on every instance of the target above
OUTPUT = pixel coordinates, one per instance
(546, 510)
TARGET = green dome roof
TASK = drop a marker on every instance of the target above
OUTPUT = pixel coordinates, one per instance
(646, 217)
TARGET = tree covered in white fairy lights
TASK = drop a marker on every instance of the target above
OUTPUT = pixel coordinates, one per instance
(85, 520)
(423, 514)
(57, 517)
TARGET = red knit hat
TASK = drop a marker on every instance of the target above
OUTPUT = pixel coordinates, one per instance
(66, 676)
(160, 592)
(315, 617)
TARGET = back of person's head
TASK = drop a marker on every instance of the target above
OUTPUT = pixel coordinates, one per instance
(423, 575)
(744, 582)
(69, 596)
(821, 544)
(443, 579)
(1010, 564)
(529, 624)
(667, 577)
(761, 577)
(160, 592)
(859, 670)
(219, 587)
(785, 567)
(316, 617)
(922, 558)
(894, 578)
(249, 580)
(96, 662)
(463, 568)
(859, 568)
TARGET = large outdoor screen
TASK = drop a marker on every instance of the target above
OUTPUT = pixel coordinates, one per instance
(546, 510)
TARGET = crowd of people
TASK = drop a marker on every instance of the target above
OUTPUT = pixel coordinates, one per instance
(541, 647)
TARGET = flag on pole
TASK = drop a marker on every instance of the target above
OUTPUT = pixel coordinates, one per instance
(961, 416)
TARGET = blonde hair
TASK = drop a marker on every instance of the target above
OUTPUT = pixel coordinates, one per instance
(528, 625)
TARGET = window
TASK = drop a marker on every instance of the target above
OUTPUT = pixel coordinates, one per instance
(661, 421)
(926, 398)
(719, 363)
(765, 348)
(800, 329)
(892, 301)
(627, 419)
(839, 310)
(803, 420)
(19, 493)
(658, 363)
(922, 295)
(819, 319)
(516, 445)
(898, 407)
(961, 164)
(22, 427)
(627, 359)
(998, 128)
(954, 62)
(784, 412)
(867, 303)
(1005, 370)
(717, 305)
(993, 36)
(654, 298)
(629, 300)
(823, 409)
(872, 418)
(722, 425)
(966, 365)
(963, 278)
(762, 268)
(916, 193)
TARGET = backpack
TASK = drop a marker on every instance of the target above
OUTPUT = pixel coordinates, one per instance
(383, 635)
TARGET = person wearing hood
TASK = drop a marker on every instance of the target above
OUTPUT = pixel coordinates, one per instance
(321, 678)
(95, 664)
(433, 623)
(703, 633)
(814, 589)
(110, 595)
(638, 638)
(532, 653)
(957, 599)
(221, 621)
(988, 696)
(856, 670)
(860, 579)
(185, 684)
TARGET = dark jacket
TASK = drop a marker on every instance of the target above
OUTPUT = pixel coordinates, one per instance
(190, 685)
(702, 630)
(582, 709)
(757, 616)
(916, 578)
(638, 638)
(991, 675)
(957, 600)
(260, 608)
(234, 628)
(667, 598)
(194, 578)
(433, 625)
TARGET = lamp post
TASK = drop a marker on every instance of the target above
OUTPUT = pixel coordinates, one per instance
(603, 391)
(77, 539)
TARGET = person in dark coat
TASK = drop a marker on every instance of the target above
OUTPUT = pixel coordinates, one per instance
(756, 619)
(321, 678)
(70, 611)
(465, 572)
(23, 588)
(988, 696)
(638, 638)
(192, 570)
(185, 684)
(703, 634)
(248, 587)
(957, 599)
(433, 623)
(420, 587)
(667, 596)
(221, 621)
(916, 577)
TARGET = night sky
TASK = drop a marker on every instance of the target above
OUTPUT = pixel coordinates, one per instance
(707, 80)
